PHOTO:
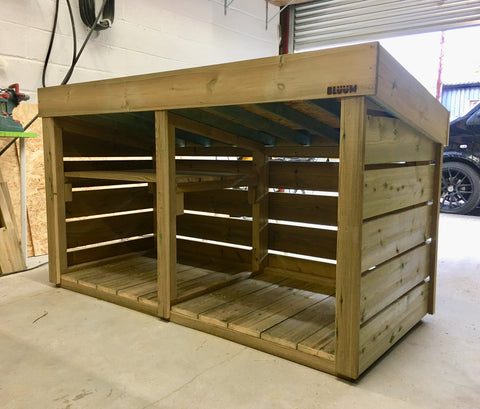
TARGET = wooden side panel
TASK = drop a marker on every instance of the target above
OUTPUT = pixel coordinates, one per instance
(228, 166)
(349, 254)
(54, 187)
(406, 98)
(165, 212)
(386, 283)
(390, 140)
(304, 175)
(386, 328)
(304, 208)
(387, 190)
(223, 229)
(388, 236)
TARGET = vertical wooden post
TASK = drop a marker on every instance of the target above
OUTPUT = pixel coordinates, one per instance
(434, 229)
(165, 212)
(55, 193)
(349, 238)
(259, 200)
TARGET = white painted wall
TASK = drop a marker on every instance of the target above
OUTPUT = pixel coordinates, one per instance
(147, 36)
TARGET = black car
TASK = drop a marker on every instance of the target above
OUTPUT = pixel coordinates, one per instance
(461, 165)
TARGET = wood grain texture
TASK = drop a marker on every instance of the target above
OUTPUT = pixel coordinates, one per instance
(225, 201)
(303, 208)
(303, 240)
(385, 329)
(304, 175)
(390, 140)
(271, 79)
(223, 229)
(387, 190)
(388, 236)
(400, 93)
(54, 187)
(165, 212)
(349, 254)
(384, 284)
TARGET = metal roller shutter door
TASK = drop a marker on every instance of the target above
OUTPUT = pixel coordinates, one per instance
(324, 23)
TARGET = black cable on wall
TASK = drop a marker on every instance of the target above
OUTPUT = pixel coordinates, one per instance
(88, 15)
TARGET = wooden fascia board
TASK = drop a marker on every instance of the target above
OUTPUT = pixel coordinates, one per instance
(401, 94)
(301, 76)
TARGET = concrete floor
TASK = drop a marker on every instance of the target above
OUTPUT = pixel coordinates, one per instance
(87, 353)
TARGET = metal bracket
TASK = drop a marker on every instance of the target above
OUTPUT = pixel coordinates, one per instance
(267, 20)
(226, 5)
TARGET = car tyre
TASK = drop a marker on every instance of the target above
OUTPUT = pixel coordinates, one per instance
(460, 188)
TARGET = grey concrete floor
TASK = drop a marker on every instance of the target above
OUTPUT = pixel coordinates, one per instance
(86, 353)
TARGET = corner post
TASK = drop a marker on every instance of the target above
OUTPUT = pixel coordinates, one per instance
(55, 195)
(349, 238)
(434, 228)
(165, 212)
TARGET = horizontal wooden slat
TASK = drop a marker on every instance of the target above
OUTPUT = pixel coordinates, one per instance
(227, 230)
(303, 240)
(81, 165)
(326, 151)
(225, 201)
(83, 232)
(302, 266)
(383, 285)
(303, 208)
(76, 144)
(304, 175)
(228, 166)
(388, 236)
(187, 250)
(111, 250)
(214, 150)
(390, 140)
(94, 202)
(386, 328)
(386, 190)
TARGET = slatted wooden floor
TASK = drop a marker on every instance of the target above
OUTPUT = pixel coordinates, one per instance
(133, 280)
(282, 311)
(289, 313)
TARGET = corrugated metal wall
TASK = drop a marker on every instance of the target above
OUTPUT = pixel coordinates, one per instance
(460, 98)
(324, 23)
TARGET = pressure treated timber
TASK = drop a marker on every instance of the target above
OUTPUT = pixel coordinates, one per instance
(387, 190)
(400, 93)
(255, 81)
(385, 329)
(434, 229)
(387, 282)
(311, 229)
(388, 236)
(390, 140)
(165, 212)
(349, 238)
(54, 189)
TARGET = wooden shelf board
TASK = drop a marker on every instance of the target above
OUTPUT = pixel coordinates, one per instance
(186, 180)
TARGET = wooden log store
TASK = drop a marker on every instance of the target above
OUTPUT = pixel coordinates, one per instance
(288, 203)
